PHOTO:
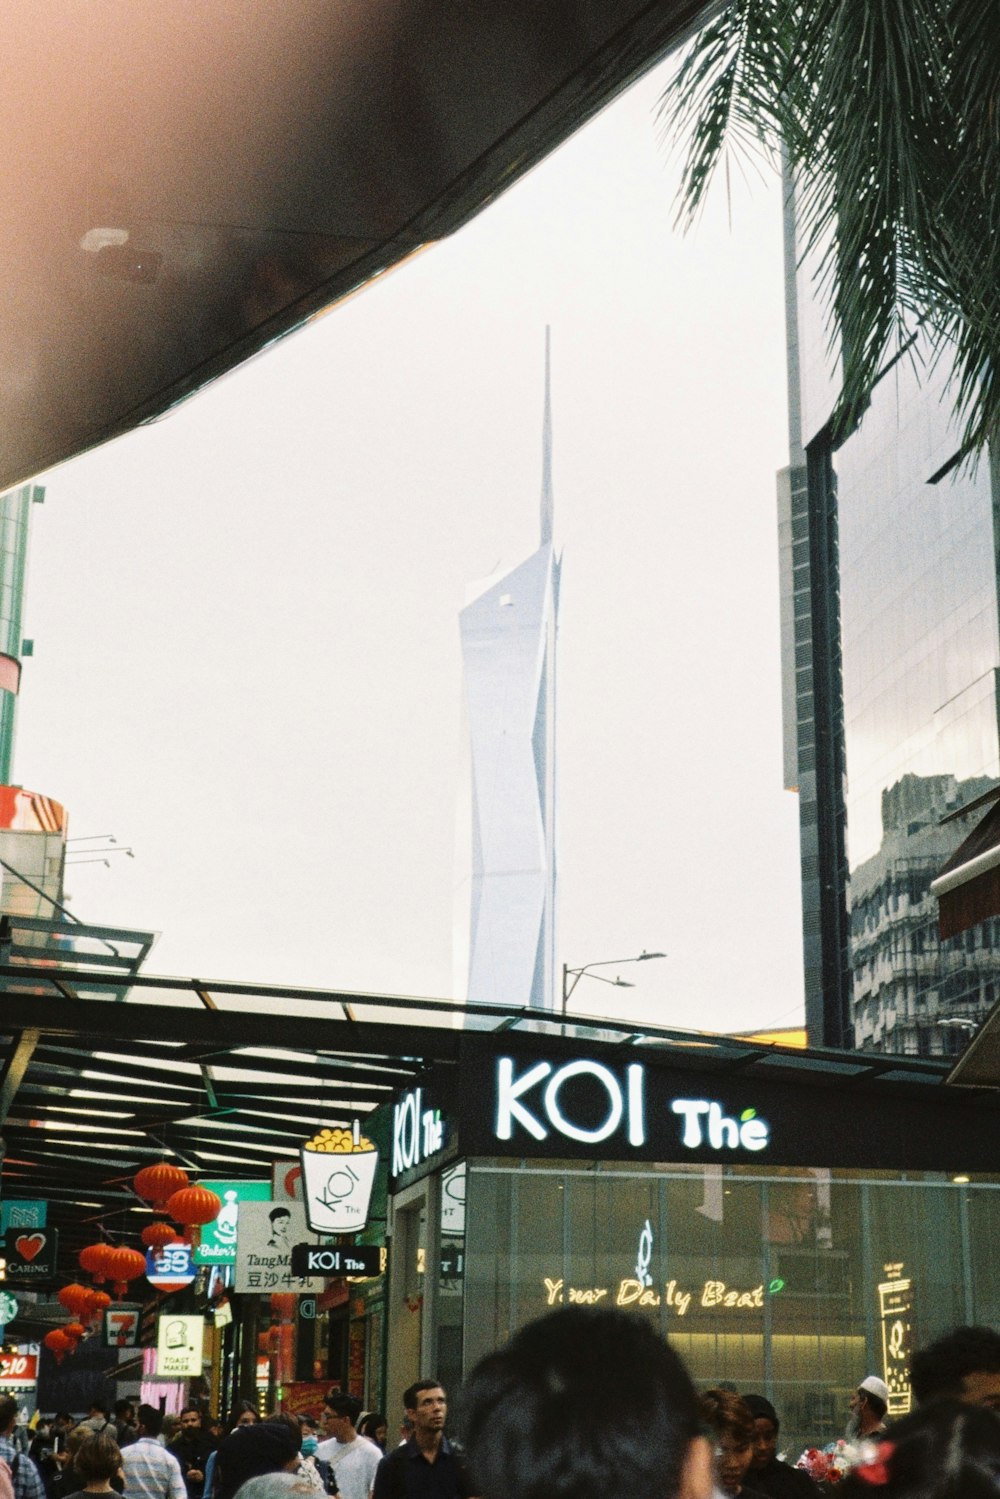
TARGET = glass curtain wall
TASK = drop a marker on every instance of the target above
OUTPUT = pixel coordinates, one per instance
(794, 1285)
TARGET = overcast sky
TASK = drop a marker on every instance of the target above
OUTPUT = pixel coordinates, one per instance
(246, 615)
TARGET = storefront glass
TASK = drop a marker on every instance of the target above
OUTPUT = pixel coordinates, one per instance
(795, 1284)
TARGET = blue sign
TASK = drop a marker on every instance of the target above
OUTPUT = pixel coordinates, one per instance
(170, 1266)
(22, 1212)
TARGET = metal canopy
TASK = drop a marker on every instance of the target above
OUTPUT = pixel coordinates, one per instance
(228, 1077)
(183, 184)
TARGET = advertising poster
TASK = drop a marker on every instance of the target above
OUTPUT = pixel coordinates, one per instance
(180, 1343)
(268, 1231)
(121, 1326)
(218, 1239)
(31, 1254)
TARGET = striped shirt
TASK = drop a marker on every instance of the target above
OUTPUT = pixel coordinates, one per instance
(151, 1472)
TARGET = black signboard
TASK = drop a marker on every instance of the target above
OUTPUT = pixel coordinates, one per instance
(31, 1254)
(539, 1101)
(330, 1259)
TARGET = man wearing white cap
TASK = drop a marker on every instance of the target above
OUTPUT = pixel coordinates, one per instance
(869, 1404)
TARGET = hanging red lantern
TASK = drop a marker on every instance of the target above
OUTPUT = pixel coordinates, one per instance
(155, 1184)
(97, 1305)
(193, 1206)
(74, 1331)
(93, 1259)
(57, 1343)
(283, 1305)
(155, 1235)
(123, 1265)
(75, 1298)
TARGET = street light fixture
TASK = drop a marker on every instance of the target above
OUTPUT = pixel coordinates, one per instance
(576, 974)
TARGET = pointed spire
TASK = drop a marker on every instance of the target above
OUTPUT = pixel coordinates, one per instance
(547, 501)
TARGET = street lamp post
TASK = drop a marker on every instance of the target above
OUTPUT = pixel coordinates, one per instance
(572, 976)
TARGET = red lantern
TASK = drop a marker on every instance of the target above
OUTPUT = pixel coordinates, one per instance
(97, 1305)
(74, 1331)
(123, 1265)
(155, 1235)
(93, 1259)
(75, 1298)
(283, 1304)
(156, 1184)
(57, 1343)
(193, 1206)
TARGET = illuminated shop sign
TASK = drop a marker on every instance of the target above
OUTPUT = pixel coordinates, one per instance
(610, 1103)
(895, 1299)
(419, 1133)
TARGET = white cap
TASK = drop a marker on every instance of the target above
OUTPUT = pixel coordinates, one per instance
(876, 1387)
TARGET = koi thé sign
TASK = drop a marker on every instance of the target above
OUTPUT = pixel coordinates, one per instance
(590, 1103)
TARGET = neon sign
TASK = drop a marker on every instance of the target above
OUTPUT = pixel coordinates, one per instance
(720, 1133)
(631, 1291)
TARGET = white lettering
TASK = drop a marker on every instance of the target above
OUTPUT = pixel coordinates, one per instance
(636, 1104)
(508, 1094)
(691, 1108)
(573, 1131)
(754, 1134)
(722, 1131)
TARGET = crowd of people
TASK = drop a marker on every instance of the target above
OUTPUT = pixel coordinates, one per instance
(580, 1404)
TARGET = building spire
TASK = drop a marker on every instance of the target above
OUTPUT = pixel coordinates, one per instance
(547, 502)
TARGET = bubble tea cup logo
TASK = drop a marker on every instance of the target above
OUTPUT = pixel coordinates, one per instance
(338, 1173)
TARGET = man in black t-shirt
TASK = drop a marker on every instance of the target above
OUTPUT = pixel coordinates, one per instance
(426, 1466)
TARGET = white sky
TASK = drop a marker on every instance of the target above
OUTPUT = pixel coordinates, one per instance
(246, 615)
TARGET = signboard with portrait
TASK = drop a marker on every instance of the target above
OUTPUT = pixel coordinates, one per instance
(268, 1231)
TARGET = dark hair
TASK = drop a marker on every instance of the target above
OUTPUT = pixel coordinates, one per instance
(245, 1408)
(940, 1368)
(279, 1213)
(344, 1405)
(412, 1391)
(123, 1407)
(581, 1403)
(728, 1415)
(8, 1410)
(371, 1424)
(97, 1457)
(195, 1408)
(252, 1451)
(762, 1410)
(99, 1405)
(944, 1450)
(151, 1420)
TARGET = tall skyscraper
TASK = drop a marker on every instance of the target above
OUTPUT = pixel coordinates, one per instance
(891, 653)
(508, 636)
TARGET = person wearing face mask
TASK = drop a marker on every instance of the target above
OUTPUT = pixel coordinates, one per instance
(731, 1424)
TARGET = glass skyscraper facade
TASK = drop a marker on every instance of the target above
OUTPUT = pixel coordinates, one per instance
(891, 652)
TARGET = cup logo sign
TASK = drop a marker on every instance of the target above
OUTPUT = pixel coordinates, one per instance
(338, 1174)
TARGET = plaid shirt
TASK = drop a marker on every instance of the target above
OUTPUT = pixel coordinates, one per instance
(27, 1479)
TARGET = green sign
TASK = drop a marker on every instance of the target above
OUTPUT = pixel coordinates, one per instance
(218, 1239)
(8, 1307)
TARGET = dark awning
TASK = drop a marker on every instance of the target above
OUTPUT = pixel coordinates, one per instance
(968, 886)
(185, 183)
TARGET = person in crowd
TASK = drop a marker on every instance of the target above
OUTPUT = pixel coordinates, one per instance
(766, 1474)
(375, 1427)
(97, 1464)
(730, 1420)
(244, 1414)
(426, 1465)
(275, 1486)
(125, 1422)
(946, 1449)
(67, 1480)
(252, 1451)
(191, 1449)
(965, 1364)
(307, 1469)
(98, 1417)
(150, 1471)
(868, 1406)
(314, 1470)
(352, 1458)
(584, 1403)
(26, 1478)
